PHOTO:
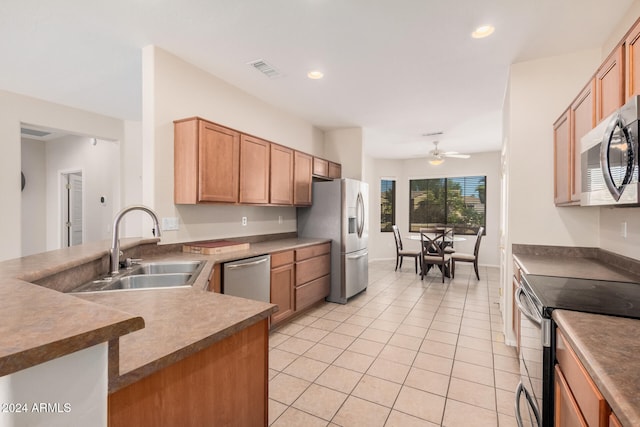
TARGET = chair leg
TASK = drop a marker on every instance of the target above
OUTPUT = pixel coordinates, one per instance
(453, 269)
(415, 258)
(401, 258)
(397, 261)
(475, 266)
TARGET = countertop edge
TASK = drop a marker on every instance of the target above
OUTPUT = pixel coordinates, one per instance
(627, 412)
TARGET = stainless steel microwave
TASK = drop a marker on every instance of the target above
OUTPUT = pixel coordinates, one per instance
(609, 159)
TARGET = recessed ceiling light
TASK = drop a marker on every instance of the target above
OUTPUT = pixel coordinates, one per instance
(483, 31)
(315, 75)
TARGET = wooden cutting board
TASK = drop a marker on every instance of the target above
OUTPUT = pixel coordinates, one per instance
(213, 247)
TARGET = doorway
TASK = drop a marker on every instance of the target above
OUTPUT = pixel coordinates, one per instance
(72, 213)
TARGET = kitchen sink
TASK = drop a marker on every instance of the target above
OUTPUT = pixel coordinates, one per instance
(149, 275)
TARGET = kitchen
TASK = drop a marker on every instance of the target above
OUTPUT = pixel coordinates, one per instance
(538, 93)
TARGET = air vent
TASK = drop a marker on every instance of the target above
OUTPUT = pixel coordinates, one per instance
(34, 132)
(265, 69)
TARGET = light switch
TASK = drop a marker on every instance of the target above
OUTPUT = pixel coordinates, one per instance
(170, 223)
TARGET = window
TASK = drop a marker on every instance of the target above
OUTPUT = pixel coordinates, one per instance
(456, 202)
(387, 204)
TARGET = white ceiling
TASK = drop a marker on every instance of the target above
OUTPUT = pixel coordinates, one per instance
(397, 68)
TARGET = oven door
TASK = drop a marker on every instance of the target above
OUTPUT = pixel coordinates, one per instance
(529, 392)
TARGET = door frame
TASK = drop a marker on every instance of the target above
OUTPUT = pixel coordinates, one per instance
(63, 204)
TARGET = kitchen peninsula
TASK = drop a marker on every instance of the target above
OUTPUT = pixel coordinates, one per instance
(173, 354)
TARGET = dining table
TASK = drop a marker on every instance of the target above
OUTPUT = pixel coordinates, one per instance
(447, 241)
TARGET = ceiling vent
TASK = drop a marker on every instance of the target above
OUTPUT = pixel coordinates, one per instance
(265, 69)
(34, 132)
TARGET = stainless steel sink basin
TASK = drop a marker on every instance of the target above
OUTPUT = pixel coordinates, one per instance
(167, 267)
(150, 275)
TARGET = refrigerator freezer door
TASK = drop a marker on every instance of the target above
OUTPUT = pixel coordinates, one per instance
(356, 272)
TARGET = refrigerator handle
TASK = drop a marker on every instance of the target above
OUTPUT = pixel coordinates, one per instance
(360, 214)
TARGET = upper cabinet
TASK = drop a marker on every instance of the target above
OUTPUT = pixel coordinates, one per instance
(610, 84)
(206, 162)
(562, 157)
(326, 169)
(254, 170)
(282, 182)
(582, 118)
(632, 60)
(303, 166)
(213, 163)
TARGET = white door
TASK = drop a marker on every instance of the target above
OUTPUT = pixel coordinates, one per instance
(72, 222)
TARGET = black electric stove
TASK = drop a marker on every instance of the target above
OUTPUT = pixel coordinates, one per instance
(536, 298)
(586, 295)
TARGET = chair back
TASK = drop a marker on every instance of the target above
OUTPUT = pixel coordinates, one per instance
(448, 236)
(431, 242)
(478, 238)
(396, 236)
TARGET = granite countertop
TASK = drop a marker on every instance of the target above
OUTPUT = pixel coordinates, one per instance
(608, 347)
(163, 325)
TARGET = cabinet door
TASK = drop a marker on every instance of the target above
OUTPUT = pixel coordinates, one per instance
(303, 164)
(567, 411)
(320, 167)
(281, 175)
(632, 59)
(218, 163)
(335, 170)
(254, 170)
(610, 84)
(562, 159)
(282, 292)
(583, 119)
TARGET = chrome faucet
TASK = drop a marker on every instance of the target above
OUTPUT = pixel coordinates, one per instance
(115, 243)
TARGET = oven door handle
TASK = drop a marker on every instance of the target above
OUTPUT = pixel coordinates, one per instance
(529, 315)
(521, 389)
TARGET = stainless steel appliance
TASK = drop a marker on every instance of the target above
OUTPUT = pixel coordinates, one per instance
(339, 213)
(609, 159)
(537, 297)
(248, 278)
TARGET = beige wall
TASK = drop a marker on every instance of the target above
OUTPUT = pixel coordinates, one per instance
(345, 147)
(381, 244)
(16, 109)
(174, 89)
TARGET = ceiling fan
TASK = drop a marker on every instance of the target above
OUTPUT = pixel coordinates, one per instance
(436, 157)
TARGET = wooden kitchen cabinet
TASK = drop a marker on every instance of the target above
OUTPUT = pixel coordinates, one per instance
(281, 178)
(582, 119)
(282, 286)
(223, 384)
(254, 170)
(614, 421)
(575, 388)
(335, 170)
(206, 162)
(632, 61)
(303, 167)
(320, 167)
(313, 274)
(562, 159)
(610, 84)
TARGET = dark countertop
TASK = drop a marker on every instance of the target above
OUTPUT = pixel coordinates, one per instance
(608, 347)
(43, 324)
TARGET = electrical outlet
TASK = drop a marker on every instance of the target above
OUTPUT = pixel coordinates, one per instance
(623, 229)
(244, 220)
(170, 224)
(279, 219)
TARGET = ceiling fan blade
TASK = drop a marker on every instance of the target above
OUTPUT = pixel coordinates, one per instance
(457, 156)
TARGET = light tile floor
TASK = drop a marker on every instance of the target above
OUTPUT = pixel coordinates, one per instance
(404, 353)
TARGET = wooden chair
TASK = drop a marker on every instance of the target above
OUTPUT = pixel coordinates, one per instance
(432, 252)
(460, 257)
(448, 237)
(401, 252)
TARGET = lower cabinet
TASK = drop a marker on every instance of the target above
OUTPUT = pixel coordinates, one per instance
(313, 274)
(223, 385)
(578, 402)
(282, 285)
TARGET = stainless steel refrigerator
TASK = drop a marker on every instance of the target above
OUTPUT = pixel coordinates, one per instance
(340, 213)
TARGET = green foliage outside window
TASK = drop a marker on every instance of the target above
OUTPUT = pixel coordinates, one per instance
(387, 204)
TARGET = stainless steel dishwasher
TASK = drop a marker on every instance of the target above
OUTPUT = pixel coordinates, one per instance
(248, 278)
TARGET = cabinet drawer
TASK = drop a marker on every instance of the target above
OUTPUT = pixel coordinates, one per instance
(592, 404)
(312, 268)
(281, 258)
(567, 412)
(312, 292)
(311, 251)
